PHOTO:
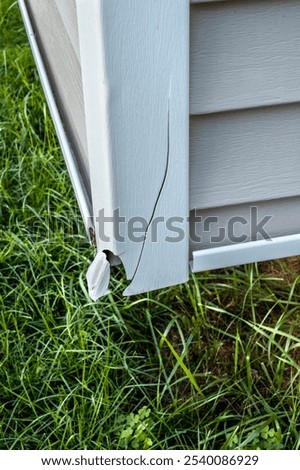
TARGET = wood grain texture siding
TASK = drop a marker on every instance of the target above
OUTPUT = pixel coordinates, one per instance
(244, 54)
(68, 14)
(244, 156)
(60, 55)
(285, 220)
(80, 190)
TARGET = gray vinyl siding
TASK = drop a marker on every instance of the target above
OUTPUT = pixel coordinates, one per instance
(284, 213)
(243, 156)
(244, 54)
(245, 112)
(57, 35)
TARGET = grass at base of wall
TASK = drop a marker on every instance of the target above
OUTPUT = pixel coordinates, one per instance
(212, 364)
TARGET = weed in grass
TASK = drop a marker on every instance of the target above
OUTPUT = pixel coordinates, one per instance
(212, 364)
(268, 438)
(136, 430)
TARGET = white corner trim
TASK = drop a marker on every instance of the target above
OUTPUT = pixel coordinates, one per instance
(244, 253)
(77, 183)
(135, 72)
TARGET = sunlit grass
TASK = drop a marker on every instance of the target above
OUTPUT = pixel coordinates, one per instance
(215, 362)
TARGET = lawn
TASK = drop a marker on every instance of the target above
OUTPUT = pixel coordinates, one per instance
(211, 364)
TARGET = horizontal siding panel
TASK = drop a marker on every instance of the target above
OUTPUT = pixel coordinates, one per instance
(244, 156)
(244, 54)
(285, 221)
(57, 37)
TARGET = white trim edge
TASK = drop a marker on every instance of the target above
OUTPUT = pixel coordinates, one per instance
(244, 253)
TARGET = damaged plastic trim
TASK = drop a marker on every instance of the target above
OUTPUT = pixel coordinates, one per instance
(137, 116)
(158, 196)
(134, 67)
(98, 276)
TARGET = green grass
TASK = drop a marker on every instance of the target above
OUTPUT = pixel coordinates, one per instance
(212, 364)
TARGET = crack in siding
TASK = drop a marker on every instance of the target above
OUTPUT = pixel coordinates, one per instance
(159, 193)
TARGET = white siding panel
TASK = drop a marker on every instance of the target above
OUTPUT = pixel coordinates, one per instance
(244, 156)
(80, 189)
(244, 54)
(284, 221)
(60, 55)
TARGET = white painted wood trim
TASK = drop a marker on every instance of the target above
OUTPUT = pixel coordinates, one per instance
(243, 253)
(135, 71)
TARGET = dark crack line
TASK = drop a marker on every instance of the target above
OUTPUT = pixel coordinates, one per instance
(159, 194)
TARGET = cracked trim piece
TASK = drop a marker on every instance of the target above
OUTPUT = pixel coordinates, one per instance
(159, 193)
(130, 53)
